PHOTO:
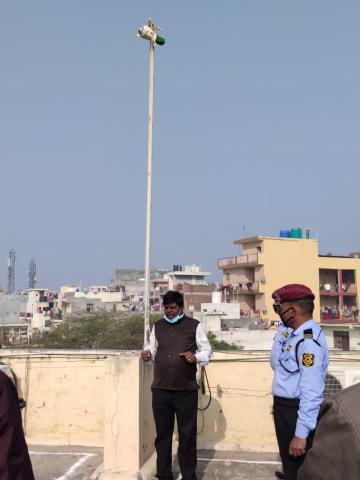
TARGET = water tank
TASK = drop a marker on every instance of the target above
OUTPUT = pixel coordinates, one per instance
(296, 233)
(216, 297)
(285, 234)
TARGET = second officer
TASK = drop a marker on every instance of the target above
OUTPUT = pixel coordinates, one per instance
(299, 358)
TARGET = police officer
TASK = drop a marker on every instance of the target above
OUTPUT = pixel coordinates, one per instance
(299, 358)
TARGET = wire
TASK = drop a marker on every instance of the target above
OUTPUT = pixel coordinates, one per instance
(210, 396)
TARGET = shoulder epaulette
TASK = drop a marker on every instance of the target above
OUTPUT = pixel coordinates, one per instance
(308, 333)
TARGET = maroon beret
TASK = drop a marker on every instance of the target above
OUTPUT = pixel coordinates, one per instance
(292, 292)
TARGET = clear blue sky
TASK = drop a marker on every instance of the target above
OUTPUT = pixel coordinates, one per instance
(256, 124)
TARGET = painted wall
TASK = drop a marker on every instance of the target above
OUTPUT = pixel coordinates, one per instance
(289, 261)
(239, 416)
(64, 395)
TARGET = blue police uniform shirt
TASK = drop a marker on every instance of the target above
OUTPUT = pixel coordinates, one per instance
(303, 379)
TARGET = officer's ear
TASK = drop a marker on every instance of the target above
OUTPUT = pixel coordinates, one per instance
(296, 307)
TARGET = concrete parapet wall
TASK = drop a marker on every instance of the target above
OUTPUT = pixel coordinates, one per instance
(64, 396)
(240, 414)
(129, 426)
(104, 399)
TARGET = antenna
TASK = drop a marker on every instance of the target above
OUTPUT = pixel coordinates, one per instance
(32, 274)
(11, 273)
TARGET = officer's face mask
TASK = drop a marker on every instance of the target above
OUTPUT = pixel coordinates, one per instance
(282, 314)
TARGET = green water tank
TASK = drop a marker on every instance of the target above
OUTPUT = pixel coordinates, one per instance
(296, 233)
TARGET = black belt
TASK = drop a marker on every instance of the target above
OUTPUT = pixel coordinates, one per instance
(286, 402)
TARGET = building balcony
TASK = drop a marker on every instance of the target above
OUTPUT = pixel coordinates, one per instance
(347, 316)
(333, 290)
(244, 288)
(248, 260)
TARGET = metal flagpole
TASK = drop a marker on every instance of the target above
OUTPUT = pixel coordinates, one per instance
(149, 32)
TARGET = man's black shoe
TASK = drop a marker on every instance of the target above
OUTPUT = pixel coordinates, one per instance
(279, 475)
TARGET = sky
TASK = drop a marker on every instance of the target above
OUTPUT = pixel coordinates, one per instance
(256, 127)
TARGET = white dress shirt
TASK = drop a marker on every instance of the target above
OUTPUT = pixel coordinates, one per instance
(203, 346)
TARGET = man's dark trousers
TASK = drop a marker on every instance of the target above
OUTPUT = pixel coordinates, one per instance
(285, 418)
(166, 404)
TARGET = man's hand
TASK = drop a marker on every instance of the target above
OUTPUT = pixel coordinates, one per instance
(297, 446)
(145, 355)
(189, 357)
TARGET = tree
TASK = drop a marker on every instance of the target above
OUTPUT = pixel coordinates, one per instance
(121, 331)
(221, 344)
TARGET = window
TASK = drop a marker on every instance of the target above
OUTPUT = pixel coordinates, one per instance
(89, 307)
(341, 340)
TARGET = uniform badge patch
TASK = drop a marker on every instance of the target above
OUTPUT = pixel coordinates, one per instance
(284, 334)
(308, 359)
(289, 347)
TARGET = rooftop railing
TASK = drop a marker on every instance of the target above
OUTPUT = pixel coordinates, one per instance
(238, 260)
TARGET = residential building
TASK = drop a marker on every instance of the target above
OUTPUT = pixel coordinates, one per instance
(190, 274)
(107, 298)
(14, 323)
(159, 286)
(41, 307)
(342, 336)
(266, 263)
(133, 281)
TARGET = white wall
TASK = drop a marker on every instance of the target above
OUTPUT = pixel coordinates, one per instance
(210, 322)
(248, 339)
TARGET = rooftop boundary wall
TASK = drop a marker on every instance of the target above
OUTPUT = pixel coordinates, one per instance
(64, 393)
(103, 398)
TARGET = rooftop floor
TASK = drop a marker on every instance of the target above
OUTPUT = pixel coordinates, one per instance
(65, 463)
(235, 466)
(80, 463)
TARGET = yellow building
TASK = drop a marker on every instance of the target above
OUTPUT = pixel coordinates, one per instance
(266, 263)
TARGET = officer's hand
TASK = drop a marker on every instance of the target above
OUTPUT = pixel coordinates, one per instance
(189, 357)
(297, 446)
(145, 355)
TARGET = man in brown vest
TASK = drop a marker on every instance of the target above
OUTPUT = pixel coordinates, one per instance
(177, 343)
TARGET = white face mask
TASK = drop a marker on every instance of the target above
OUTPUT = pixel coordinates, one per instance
(175, 319)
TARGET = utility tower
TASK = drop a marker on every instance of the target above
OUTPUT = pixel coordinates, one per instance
(11, 273)
(32, 274)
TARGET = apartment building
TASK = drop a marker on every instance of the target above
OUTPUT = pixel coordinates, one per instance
(266, 263)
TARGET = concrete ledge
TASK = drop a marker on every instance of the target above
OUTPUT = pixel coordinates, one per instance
(129, 425)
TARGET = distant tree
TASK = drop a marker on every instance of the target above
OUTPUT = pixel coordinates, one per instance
(121, 331)
(220, 344)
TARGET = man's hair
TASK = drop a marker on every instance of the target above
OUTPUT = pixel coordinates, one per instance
(306, 305)
(173, 297)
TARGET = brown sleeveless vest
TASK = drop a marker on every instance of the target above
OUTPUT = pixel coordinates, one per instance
(172, 372)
